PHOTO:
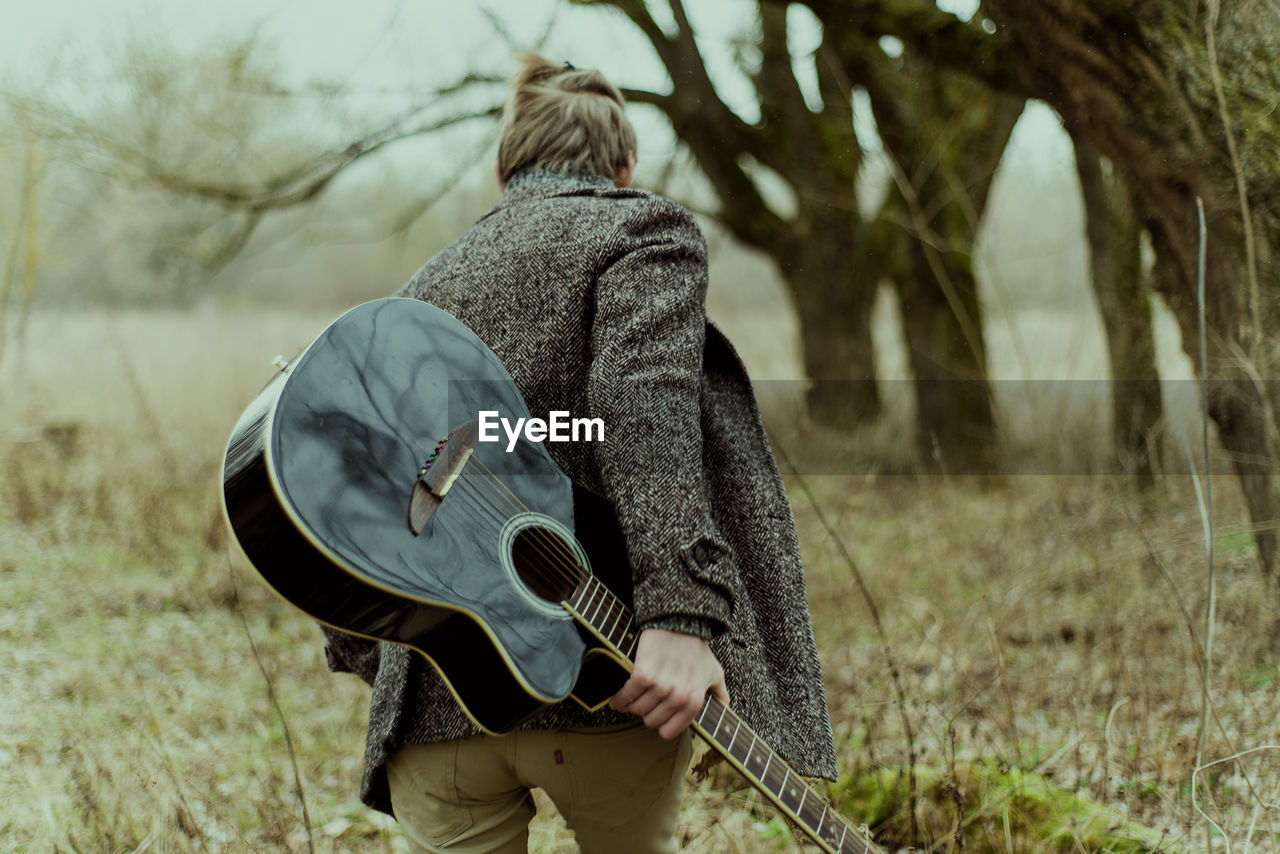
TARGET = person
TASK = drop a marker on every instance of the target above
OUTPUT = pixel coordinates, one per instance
(593, 295)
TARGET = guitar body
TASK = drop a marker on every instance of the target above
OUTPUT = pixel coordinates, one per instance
(318, 478)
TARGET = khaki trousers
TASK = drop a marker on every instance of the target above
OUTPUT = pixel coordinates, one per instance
(618, 790)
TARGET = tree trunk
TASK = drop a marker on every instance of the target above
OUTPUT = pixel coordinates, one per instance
(834, 291)
(1115, 264)
(955, 427)
(944, 136)
(1170, 94)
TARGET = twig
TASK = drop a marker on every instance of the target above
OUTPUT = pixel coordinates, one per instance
(1106, 747)
(1008, 792)
(1194, 802)
(1207, 512)
(895, 675)
(957, 796)
(1242, 190)
(24, 238)
(213, 806)
(971, 331)
(271, 695)
(1004, 685)
(146, 412)
(1258, 806)
(1164, 573)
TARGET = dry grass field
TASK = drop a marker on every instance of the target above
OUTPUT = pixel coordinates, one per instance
(1033, 682)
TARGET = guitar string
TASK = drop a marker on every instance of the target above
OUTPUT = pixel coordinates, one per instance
(496, 487)
(558, 555)
(490, 480)
(617, 615)
(514, 501)
(499, 513)
(473, 492)
(518, 506)
(564, 566)
(759, 748)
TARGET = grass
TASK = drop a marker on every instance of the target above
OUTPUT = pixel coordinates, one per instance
(1050, 676)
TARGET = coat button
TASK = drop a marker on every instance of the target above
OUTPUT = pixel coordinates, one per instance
(701, 554)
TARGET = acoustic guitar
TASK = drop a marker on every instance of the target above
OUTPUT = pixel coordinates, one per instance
(358, 485)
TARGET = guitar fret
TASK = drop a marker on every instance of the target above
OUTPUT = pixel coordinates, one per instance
(732, 738)
(609, 621)
(612, 619)
(608, 633)
(627, 644)
(814, 809)
(596, 613)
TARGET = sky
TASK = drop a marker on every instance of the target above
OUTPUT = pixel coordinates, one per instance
(389, 46)
(386, 44)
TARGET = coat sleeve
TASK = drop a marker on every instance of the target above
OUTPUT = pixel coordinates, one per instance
(347, 653)
(644, 382)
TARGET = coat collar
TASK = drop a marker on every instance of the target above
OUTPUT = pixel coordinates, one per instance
(534, 184)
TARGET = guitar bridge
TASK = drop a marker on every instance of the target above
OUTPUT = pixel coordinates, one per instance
(439, 472)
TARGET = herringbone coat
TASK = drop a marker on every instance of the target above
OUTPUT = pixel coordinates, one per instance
(594, 298)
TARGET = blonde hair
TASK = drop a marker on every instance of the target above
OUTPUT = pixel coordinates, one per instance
(563, 118)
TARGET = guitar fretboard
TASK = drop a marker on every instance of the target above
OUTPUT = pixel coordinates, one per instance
(612, 621)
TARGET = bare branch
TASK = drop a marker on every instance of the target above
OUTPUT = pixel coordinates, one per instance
(412, 213)
(742, 207)
(639, 15)
(305, 182)
(661, 100)
(231, 248)
(947, 41)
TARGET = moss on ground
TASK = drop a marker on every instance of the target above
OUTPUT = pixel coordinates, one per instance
(999, 809)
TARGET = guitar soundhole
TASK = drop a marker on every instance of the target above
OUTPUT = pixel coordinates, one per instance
(545, 563)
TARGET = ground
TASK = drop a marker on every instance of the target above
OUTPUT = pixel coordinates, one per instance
(1016, 656)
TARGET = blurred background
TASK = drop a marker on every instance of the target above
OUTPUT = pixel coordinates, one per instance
(978, 258)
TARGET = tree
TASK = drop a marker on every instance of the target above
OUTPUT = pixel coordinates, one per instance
(832, 254)
(1179, 97)
(817, 153)
(200, 149)
(944, 135)
(1115, 257)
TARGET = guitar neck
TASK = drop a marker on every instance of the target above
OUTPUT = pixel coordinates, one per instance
(721, 727)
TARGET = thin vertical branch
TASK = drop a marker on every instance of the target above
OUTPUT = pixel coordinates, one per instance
(24, 243)
(895, 674)
(1211, 608)
(275, 702)
(146, 412)
(1242, 190)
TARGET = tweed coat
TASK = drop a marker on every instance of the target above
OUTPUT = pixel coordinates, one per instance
(594, 298)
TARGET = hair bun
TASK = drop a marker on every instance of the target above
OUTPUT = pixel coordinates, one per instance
(563, 117)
